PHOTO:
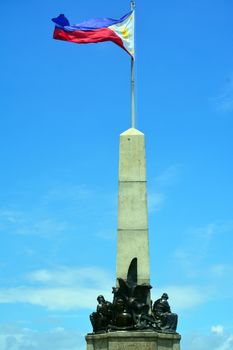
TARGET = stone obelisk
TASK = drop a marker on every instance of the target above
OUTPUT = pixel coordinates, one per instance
(132, 207)
(128, 323)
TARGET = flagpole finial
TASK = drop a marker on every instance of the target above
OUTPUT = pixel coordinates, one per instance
(133, 5)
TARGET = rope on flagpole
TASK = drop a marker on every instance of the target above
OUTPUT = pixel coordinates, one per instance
(132, 4)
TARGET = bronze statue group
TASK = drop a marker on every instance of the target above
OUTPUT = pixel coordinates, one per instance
(130, 310)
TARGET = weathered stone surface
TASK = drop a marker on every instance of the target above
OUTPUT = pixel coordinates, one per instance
(132, 206)
(133, 341)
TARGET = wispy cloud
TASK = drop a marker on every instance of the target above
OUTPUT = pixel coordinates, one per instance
(44, 213)
(169, 176)
(68, 288)
(29, 339)
(53, 298)
(107, 234)
(77, 195)
(16, 338)
(69, 192)
(227, 343)
(61, 289)
(224, 101)
(11, 216)
(155, 201)
(183, 297)
(197, 240)
(158, 187)
(216, 339)
(195, 248)
(25, 223)
(220, 270)
(67, 276)
(45, 227)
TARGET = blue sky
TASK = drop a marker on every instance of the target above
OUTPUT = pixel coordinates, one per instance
(63, 107)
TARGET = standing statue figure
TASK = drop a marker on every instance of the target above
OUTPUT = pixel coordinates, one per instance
(102, 318)
(164, 318)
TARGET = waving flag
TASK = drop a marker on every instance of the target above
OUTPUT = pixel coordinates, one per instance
(120, 31)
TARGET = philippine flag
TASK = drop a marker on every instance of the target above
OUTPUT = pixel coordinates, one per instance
(120, 31)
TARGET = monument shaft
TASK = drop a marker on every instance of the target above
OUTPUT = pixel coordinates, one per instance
(132, 241)
(129, 322)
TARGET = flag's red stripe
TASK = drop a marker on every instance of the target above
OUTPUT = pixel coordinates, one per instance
(88, 36)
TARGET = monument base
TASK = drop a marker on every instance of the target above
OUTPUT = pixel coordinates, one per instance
(123, 340)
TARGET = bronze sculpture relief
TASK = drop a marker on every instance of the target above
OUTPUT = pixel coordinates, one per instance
(165, 319)
(130, 309)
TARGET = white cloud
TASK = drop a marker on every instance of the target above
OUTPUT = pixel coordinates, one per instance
(214, 341)
(12, 338)
(227, 343)
(77, 288)
(61, 289)
(67, 276)
(217, 329)
(182, 297)
(52, 298)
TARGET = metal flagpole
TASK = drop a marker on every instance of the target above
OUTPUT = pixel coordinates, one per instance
(132, 82)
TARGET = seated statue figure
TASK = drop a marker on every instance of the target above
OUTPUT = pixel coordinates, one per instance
(101, 319)
(164, 318)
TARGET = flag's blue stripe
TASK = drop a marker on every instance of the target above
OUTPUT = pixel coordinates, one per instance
(92, 24)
